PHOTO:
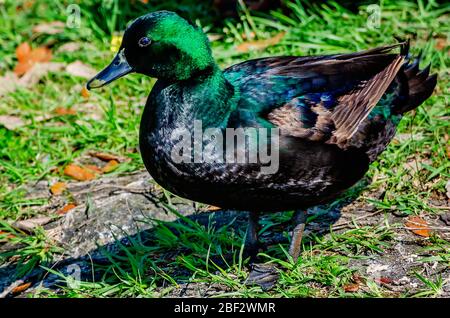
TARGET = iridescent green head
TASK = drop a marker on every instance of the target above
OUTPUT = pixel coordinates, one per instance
(161, 45)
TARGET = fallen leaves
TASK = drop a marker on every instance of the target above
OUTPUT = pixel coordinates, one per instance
(260, 44)
(384, 280)
(11, 122)
(110, 166)
(80, 69)
(4, 234)
(354, 285)
(28, 57)
(58, 188)
(50, 28)
(62, 111)
(30, 224)
(66, 209)
(21, 288)
(69, 47)
(22, 51)
(418, 226)
(78, 173)
(38, 71)
(89, 172)
(441, 43)
(351, 288)
(105, 156)
(93, 168)
(32, 65)
(10, 81)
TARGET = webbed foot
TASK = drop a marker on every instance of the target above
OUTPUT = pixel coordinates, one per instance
(263, 275)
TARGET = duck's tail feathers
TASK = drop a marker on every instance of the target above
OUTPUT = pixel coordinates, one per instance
(420, 83)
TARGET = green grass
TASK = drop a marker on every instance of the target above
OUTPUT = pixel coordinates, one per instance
(187, 251)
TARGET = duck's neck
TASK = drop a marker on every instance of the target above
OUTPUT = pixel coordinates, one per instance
(208, 97)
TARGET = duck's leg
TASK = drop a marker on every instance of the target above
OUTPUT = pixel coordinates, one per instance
(264, 275)
(299, 220)
(251, 241)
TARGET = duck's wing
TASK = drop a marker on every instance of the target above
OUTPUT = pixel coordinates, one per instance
(317, 98)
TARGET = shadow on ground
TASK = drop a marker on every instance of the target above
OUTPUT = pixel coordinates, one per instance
(113, 212)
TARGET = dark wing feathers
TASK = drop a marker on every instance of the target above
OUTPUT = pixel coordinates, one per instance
(420, 84)
(320, 97)
(280, 64)
(354, 106)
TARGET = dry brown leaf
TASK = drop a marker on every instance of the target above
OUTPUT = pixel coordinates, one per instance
(21, 288)
(40, 55)
(418, 226)
(8, 83)
(78, 173)
(384, 280)
(441, 43)
(22, 51)
(29, 57)
(69, 47)
(213, 208)
(51, 28)
(66, 209)
(30, 224)
(108, 156)
(351, 288)
(8, 235)
(261, 44)
(80, 69)
(39, 70)
(62, 111)
(93, 168)
(110, 166)
(58, 188)
(22, 68)
(11, 122)
(27, 4)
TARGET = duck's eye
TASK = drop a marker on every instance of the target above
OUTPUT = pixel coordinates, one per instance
(145, 41)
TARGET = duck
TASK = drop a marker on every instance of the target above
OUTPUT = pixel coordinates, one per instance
(311, 125)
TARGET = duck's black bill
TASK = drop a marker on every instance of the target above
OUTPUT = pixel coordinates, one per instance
(119, 67)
